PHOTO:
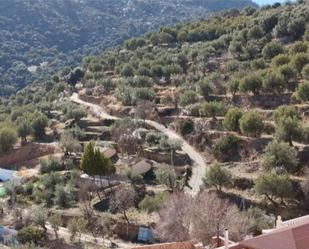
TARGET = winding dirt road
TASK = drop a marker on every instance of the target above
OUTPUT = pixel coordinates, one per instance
(199, 163)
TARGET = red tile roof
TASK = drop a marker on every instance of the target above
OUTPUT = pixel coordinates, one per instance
(293, 237)
(174, 245)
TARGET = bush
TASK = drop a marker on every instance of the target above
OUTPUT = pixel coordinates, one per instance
(284, 112)
(288, 129)
(218, 177)
(274, 82)
(288, 72)
(186, 126)
(63, 198)
(280, 155)
(205, 88)
(251, 124)
(226, 147)
(188, 97)
(8, 138)
(303, 91)
(152, 203)
(299, 61)
(233, 87)
(251, 83)
(271, 50)
(231, 119)
(274, 186)
(39, 123)
(281, 60)
(305, 72)
(212, 109)
(30, 234)
(51, 164)
(154, 138)
(193, 110)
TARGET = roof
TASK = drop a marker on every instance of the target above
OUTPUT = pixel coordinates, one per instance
(292, 237)
(141, 167)
(109, 152)
(173, 245)
(7, 175)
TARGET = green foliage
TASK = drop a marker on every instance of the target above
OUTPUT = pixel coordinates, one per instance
(285, 111)
(76, 226)
(63, 197)
(274, 82)
(226, 147)
(305, 72)
(218, 177)
(24, 128)
(152, 203)
(154, 138)
(94, 163)
(233, 87)
(251, 124)
(271, 50)
(50, 164)
(299, 61)
(170, 144)
(188, 97)
(68, 143)
(288, 129)
(39, 123)
(231, 119)
(280, 155)
(303, 91)
(212, 109)
(167, 176)
(30, 234)
(205, 88)
(8, 138)
(281, 60)
(251, 83)
(274, 186)
(186, 126)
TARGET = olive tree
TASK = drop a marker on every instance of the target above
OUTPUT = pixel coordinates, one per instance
(217, 176)
(231, 119)
(280, 155)
(251, 124)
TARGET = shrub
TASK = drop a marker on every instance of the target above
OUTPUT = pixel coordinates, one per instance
(152, 203)
(303, 91)
(30, 234)
(188, 97)
(274, 186)
(299, 61)
(193, 110)
(218, 177)
(285, 111)
(288, 129)
(154, 138)
(39, 123)
(274, 82)
(226, 147)
(251, 124)
(288, 72)
(281, 60)
(51, 164)
(233, 87)
(305, 72)
(299, 47)
(280, 155)
(251, 83)
(231, 119)
(8, 138)
(186, 126)
(271, 50)
(212, 109)
(205, 88)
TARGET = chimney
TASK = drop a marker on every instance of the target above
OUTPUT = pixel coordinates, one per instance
(226, 239)
(279, 222)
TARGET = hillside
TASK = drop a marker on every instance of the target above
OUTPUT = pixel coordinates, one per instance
(207, 115)
(43, 36)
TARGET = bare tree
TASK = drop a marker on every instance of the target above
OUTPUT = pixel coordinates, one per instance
(122, 200)
(68, 143)
(183, 218)
(212, 215)
(143, 109)
(175, 218)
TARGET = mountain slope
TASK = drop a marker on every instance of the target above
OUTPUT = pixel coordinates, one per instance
(60, 32)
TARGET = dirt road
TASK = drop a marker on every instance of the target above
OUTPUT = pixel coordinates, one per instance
(198, 160)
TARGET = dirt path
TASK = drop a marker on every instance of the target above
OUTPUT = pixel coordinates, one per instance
(199, 163)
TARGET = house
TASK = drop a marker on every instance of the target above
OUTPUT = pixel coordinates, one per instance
(292, 234)
(172, 245)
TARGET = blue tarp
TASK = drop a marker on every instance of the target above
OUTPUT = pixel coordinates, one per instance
(7, 175)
